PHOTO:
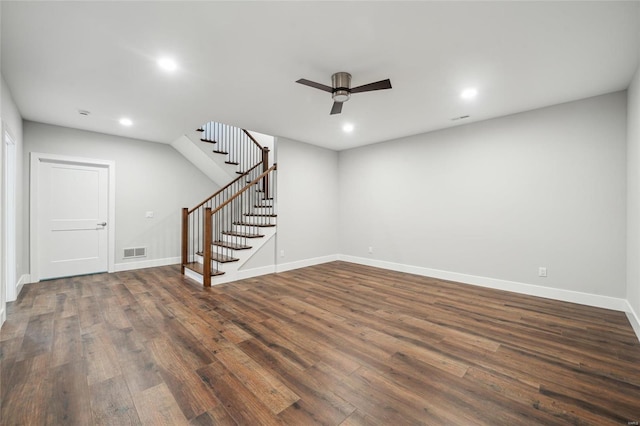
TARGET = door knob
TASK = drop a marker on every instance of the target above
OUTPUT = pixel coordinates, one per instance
(102, 224)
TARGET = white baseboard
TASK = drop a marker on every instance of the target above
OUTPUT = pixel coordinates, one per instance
(255, 272)
(264, 270)
(283, 267)
(3, 316)
(129, 266)
(240, 275)
(633, 318)
(24, 279)
(588, 299)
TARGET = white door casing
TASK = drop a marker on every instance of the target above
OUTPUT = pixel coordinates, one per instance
(9, 218)
(72, 216)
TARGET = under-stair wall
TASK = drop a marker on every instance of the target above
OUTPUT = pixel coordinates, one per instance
(221, 151)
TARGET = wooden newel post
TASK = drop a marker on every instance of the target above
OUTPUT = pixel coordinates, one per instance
(185, 238)
(206, 266)
(265, 167)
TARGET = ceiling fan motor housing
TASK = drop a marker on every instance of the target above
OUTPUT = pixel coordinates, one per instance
(341, 83)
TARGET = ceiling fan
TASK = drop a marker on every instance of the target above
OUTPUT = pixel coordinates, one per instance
(341, 88)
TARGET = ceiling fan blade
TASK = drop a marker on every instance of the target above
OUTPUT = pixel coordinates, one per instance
(378, 85)
(315, 85)
(337, 108)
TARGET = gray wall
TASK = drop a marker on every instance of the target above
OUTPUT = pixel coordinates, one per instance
(633, 194)
(306, 202)
(498, 198)
(149, 177)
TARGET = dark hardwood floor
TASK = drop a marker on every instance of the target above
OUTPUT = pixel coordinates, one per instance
(334, 344)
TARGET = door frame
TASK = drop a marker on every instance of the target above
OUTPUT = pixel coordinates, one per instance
(37, 159)
(9, 199)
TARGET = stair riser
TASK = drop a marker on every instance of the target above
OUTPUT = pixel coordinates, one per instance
(260, 220)
(248, 229)
(200, 259)
(263, 210)
(237, 240)
(264, 203)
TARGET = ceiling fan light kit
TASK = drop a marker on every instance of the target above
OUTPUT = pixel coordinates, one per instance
(341, 88)
(341, 82)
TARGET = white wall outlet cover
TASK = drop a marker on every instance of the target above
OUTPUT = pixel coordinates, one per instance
(148, 214)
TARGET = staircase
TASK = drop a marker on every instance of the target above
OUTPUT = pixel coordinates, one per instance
(221, 233)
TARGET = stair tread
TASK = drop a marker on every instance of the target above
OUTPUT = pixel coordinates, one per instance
(233, 246)
(199, 268)
(261, 215)
(200, 130)
(260, 225)
(208, 141)
(235, 163)
(221, 258)
(220, 152)
(242, 234)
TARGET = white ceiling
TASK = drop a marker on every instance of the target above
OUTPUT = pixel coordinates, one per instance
(238, 63)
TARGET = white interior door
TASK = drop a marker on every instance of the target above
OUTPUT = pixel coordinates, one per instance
(72, 218)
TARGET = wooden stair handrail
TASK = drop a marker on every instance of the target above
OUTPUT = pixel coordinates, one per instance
(253, 139)
(223, 188)
(249, 185)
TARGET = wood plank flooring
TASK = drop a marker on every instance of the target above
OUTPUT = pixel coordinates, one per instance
(334, 344)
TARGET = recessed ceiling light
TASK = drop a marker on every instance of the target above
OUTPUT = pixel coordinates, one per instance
(167, 64)
(348, 127)
(468, 93)
(126, 122)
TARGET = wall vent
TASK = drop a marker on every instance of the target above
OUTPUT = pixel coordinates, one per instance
(135, 252)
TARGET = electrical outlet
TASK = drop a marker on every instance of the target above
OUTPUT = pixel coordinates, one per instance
(281, 253)
(370, 250)
(148, 215)
(542, 271)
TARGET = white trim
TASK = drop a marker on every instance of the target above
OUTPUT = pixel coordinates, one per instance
(234, 275)
(24, 279)
(194, 276)
(633, 318)
(516, 287)
(129, 266)
(9, 199)
(283, 267)
(3, 316)
(36, 159)
(255, 272)
(263, 270)
(243, 274)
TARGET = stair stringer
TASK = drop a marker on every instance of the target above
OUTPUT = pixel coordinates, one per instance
(212, 165)
(232, 269)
